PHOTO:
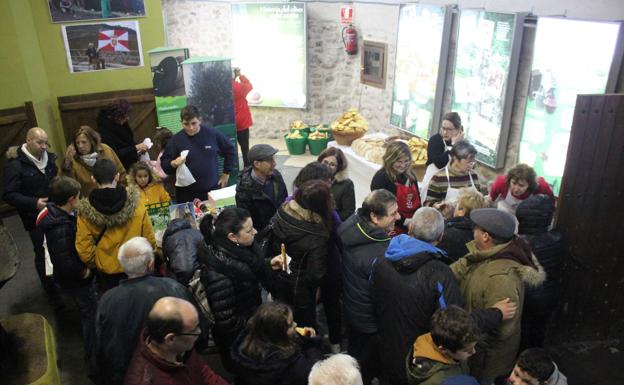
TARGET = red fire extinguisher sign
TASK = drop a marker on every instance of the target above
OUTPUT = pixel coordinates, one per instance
(346, 14)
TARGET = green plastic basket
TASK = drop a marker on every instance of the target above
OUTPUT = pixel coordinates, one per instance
(317, 145)
(296, 146)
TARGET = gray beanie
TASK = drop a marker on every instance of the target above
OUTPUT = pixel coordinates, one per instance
(495, 222)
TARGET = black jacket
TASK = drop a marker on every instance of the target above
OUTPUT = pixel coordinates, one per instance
(119, 138)
(231, 277)
(362, 243)
(457, 232)
(249, 196)
(121, 315)
(59, 228)
(276, 367)
(180, 243)
(407, 291)
(436, 151)
(306, 239)
(24, 184)
(343, 191)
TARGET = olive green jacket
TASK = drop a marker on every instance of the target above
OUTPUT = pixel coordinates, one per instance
(484, 281)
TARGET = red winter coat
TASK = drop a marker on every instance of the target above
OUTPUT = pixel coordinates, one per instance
(146, 368)
(241, 108)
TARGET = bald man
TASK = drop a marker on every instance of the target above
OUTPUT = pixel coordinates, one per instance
(165, 354)
(27, 174)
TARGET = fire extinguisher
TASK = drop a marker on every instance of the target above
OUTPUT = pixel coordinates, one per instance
(349, 39)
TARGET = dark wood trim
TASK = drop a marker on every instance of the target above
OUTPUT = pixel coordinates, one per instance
(81, 105)
(13, 118)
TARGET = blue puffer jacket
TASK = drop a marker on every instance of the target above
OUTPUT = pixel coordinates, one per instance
(180, 244)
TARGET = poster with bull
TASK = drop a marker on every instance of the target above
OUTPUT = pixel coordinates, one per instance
(103, 46)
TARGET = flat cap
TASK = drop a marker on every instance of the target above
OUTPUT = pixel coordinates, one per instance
(495, 222)
(261, 152)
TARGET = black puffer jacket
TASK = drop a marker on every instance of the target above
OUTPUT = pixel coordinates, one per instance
(231, 277)
(180, 243)
(276, 367)
(59, 228)
(119, 137)
(457, 232)
(23, 184)
(362, 244)
(410, 283)
(250, 196)
(306, 239)
(535, 214)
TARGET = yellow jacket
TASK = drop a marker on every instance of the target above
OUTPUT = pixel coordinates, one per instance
(121, 218)
(154, 193)
(78, 169)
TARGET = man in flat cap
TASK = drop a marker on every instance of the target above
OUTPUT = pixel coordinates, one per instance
(260, 187)
(498, 266)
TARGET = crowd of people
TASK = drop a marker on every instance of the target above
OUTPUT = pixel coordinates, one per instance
(425, 283)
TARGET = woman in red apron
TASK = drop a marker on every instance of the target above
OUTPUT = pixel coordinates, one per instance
(508, 191)
(397, 176)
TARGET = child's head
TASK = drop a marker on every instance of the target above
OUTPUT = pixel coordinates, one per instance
(469, 199)
(63, 190)
(162, 136)
(454, 332)
(534, 367)
(142, 174)
(105, 172)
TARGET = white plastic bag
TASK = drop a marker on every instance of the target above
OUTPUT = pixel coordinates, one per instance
(183, 174)
(145, 156)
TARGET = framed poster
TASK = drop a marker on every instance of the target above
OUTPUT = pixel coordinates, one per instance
(80, 10)
(269, 46)
(570, 57)
(421, 61)
(374, 64)
(486, 67)
(103, 46)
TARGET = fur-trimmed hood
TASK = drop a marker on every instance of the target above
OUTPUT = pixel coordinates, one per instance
(341, 176)
(531, 276)
(121, 217)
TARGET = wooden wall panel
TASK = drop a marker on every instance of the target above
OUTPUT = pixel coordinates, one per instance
(14, 123)
(590, 218)
(78, 110)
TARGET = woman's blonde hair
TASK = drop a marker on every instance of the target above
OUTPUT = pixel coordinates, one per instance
(470, 199)
(141, 165)
(395, 151)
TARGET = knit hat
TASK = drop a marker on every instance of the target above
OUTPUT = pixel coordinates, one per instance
(495, 222)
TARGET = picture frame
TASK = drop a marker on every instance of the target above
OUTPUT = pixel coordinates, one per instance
(374, 64)
(68, 11)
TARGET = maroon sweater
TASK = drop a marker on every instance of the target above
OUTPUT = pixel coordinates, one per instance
(148, 369)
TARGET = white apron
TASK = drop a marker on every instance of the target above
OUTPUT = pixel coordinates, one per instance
(452, 194)
(509, 204)
(431, 170)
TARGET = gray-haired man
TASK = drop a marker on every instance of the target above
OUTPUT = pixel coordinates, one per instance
(122, 310)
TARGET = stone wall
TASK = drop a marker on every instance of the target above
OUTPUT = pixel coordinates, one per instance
(333, 76)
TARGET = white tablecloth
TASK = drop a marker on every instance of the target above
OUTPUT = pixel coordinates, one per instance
(360, 170)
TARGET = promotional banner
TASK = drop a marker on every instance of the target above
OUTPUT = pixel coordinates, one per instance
(417, 63)
(208, 85)
(168, 81)
(571, 57)
(482, 67)
(269, 46)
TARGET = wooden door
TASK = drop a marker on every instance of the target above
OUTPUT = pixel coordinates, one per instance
(590, 217)
(14, 124)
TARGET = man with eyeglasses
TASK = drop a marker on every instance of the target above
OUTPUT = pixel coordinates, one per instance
(165, 353)
(260, 188)
(123, 310)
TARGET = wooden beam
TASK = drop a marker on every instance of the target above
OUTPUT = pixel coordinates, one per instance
(81, 105)
(13, 118)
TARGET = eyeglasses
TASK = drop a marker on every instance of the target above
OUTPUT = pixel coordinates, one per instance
(194, 334)
(330, 164)
(448, 128)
